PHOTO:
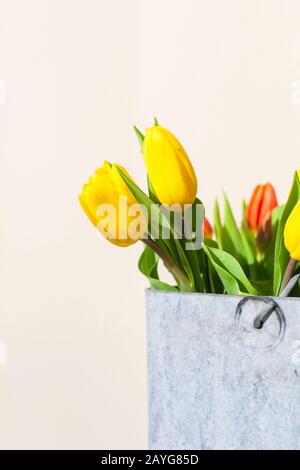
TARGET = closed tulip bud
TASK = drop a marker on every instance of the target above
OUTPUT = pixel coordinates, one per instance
(207, 228)
(292, 233)
(111, 207)
(260, 207)
(169, 168)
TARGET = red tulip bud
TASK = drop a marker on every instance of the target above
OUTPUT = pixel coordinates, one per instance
(259, 209)
(207, 228)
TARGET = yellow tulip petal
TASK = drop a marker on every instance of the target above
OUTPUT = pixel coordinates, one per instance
(106, 200)
(87, 211)
(169, 168)
(292, 233)
(120, 184)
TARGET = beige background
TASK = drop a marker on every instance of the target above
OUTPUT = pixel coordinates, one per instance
(221, 74)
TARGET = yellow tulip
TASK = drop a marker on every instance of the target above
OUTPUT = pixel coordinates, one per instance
(169, 168)
(292, 233)
(111, 207)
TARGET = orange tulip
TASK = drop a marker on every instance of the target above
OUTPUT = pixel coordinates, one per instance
(260, 207)
(207, 228)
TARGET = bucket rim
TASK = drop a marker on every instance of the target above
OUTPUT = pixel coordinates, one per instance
(158, 292)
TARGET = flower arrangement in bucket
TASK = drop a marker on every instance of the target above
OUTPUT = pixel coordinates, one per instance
(259, 257)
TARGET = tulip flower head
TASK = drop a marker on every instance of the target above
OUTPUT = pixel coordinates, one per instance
(292, 233)
(111, 207)
(260, 207)
(207, 228)
(169, 168)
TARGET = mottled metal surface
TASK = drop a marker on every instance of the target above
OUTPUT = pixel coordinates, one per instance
(216, 382)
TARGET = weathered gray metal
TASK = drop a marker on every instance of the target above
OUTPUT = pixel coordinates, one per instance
(217, 382)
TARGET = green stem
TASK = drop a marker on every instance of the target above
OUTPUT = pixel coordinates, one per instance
(288, 274)
(169, 263)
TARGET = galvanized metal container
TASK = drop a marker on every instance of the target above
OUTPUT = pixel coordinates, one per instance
(217, 382)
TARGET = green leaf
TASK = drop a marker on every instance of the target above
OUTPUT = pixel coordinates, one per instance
(249, 244)
(146, 203)
(192, 259)
(244, 208)
(232, 266)
(264, 287)
(248, 241)
(211, 243)
(148, 266)
(277, 214)
(153, 210)
(233, 242)
(269, 251)
(151, 191)
(139, 135)
(156, 122)
(150, 209)
(198, 214)
(281, 256)
(192, 244)
(191, 253)
(230, 284)
(185, 263)
(218, 224)
(215, 283)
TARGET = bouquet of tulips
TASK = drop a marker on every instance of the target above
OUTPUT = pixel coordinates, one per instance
(257, 257)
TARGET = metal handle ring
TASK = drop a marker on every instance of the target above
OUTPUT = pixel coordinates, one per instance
(251, 315)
